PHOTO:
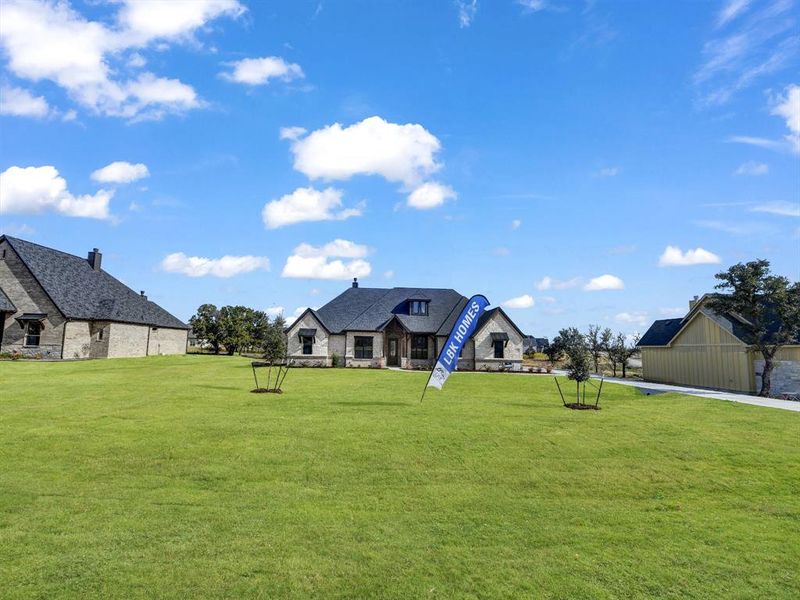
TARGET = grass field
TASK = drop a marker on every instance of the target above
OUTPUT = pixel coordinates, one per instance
(163, 477)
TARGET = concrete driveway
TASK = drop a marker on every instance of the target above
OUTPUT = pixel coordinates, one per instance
(703, 393)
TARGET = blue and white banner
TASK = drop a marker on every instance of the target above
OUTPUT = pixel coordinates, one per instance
(462, 330)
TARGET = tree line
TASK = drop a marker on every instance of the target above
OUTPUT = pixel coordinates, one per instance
(587, 349)
(238, 329)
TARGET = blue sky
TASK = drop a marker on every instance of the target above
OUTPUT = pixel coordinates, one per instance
(578, 162)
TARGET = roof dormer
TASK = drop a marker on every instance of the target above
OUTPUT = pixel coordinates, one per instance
(418, 307)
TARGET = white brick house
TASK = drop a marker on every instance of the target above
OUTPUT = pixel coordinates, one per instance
(59, 305)
(400, 327)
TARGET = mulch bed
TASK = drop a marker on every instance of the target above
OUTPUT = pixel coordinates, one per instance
(576, 406)
(265, 391)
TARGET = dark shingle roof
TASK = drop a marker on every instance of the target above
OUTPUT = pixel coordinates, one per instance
(660, 332)
(80, 292)
(5, 304)
(371, 309)
(663, 331)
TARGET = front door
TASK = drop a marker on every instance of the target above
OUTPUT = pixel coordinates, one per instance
(393, 359)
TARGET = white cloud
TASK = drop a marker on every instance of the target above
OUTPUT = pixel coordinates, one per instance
(671, 311)
(548, 283)
(636, 318)
(515, 224)
(36, 190)
(136, 61)
(548, 299)
(307, 204)
(753, 168)
(52, 41)
(731, 10)
(142, 22)
(339, 248)
(293, 317)
(466, 12)
(388, 274)
(524, 301)
(399, 153)
(761, 44)
(292, 133)
(788, 107)
(17, 102)
(258, 71)
(608, 172)
(756, 141)
(227, 266)
(784, 209)
(274, 311)
(430, 195)
(315, 262)
(533, 5)
(604, 282)
(674, 257)
(121, 171)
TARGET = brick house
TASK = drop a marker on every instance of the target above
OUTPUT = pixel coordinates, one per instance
(58, 305)
(400, 327)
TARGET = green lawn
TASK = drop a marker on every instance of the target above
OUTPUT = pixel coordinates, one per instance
(163, 477)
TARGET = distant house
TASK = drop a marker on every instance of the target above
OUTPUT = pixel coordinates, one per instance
(58, 305)
(708, 349)
(400, 327)
(532, 344)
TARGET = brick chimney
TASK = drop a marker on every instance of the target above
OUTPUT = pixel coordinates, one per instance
(355, 282)
(142, 294)
(693, 301)
(95, 258)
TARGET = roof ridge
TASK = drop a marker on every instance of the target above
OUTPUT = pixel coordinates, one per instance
(16, 239)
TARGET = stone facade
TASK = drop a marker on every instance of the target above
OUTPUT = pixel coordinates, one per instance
(484, 349)
(785, 373)
(72, 339)
(319, 356)
(28, 297)
(377, 360)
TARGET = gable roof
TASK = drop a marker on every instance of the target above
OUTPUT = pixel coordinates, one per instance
(372, 309)
(662, 332)
(5, 304)
(80, 292)
(488, 314)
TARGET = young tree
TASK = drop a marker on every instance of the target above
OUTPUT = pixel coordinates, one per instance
(623, 349)
(594, 343)
(769, 307)
(275, 342)
(574, 345)
(205, 324)
(609, 347)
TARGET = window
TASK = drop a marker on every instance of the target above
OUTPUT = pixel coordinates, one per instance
(33, 333)
(363, 347)
(419, 307)
(419, 346)
(498, 348)
(308, 343)
(100, 335)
